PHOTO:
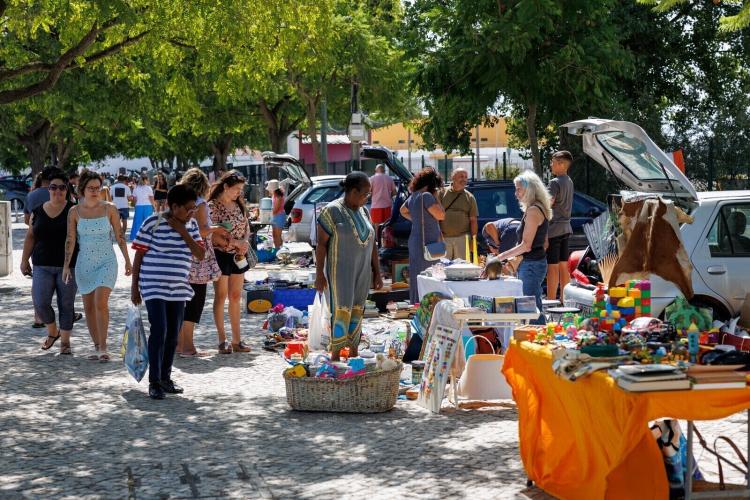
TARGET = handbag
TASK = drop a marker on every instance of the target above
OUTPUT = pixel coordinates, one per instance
(436, 250)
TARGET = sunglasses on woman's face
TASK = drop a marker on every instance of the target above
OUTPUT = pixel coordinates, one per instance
(55, 187)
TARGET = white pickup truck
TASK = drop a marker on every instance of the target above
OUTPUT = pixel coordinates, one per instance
(717, 242)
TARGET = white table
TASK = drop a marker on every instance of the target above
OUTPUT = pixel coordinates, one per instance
(510, 287)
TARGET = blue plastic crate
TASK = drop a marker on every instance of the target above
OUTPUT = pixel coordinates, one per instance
(299, 298)
(266, 255)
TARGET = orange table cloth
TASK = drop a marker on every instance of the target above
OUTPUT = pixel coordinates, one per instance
(589, 438)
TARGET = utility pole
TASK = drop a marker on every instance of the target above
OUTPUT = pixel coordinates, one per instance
(479, 159)
(711, 164)
(324, 135)
(408, 147)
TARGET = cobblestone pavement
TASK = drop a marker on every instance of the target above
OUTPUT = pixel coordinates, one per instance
(76, 428)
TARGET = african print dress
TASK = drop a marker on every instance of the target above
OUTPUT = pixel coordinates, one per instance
(348, 269)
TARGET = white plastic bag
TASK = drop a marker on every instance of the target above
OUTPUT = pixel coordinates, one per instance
(136, 346)
(319, 335)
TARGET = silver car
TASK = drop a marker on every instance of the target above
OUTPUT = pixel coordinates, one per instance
(323, 190)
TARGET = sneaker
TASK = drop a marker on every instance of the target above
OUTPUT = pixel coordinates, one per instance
(170, 387)
(155, 391)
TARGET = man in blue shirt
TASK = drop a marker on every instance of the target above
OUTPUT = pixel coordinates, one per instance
(40, 195)
(501, 235)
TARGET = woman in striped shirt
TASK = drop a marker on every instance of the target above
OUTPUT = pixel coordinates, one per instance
(165, 245)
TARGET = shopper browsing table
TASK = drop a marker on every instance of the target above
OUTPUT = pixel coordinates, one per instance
(347, 261)
(532, 235)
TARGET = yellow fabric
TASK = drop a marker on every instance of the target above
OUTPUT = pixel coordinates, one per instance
(589, 439)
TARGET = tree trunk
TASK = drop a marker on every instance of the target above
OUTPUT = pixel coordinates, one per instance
(312, 131)
(65, 148)
(533, 139)
(36, 140)
(278, 124)
(221, 147)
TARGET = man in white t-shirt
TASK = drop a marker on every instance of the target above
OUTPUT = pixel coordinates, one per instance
(121, 197)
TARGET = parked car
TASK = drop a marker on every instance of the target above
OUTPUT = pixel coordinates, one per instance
(324, 189)
(717, 242)
(15, 192)
(495, 200)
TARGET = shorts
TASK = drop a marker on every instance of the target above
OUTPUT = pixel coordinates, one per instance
(124, 213)
(194, 307)
(558, 250)
(278, 221)
(227, 265)
(380, 215)
(160, 195)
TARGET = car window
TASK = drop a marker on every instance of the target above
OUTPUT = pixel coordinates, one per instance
(729, 235)
(632, 153)
(324, 194)
(581, 207)
(496, 203)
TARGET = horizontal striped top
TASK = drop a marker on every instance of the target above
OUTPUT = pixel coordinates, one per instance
(167, 260)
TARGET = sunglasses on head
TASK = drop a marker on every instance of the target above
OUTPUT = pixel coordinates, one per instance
(55, 187)
(236, 176)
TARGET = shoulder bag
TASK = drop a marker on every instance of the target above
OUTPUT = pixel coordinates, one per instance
(432, 251)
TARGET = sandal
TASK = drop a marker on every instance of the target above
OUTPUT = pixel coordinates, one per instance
(94, 356)
(194, 354)
(241, 347)
(46, 346)
(38, 325)
(104, 357)
(225, 348)
(65, 348)
(77, 317)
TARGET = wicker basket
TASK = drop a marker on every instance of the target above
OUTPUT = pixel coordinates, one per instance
(368, 393)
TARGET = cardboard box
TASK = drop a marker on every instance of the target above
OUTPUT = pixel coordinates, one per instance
(527, 332)
(486, 304)
(505, 305)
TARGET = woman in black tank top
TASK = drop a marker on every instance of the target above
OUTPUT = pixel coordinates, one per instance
(532, 236)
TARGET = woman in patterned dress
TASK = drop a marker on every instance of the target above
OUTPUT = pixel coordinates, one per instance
(347, 261)
(226, 205)
(92, 223)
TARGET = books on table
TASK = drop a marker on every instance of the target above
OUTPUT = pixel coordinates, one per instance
(647, 378)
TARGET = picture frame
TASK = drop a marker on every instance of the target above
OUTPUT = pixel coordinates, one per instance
(400, 271)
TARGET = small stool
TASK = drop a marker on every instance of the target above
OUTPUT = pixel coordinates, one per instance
(561, 311)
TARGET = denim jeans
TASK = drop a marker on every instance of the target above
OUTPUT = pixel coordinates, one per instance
(165, 318)
(48, 280)
(532, 274)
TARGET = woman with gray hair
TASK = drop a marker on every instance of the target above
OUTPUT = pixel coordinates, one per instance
(532, 235)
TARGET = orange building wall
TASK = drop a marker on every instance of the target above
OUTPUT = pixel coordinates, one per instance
(395, 137)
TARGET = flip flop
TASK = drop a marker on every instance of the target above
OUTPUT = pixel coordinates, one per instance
(65, 349)
(104, 357)
(77, 317)
(54, 339)
(38, 325)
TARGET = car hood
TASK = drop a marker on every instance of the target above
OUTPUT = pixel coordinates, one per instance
(387, 157)
(625, 150)
(289, 164)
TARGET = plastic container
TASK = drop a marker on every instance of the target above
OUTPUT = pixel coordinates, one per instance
(299, 298)
(266, 210)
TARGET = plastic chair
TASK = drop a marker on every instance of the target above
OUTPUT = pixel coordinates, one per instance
(482, 378)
